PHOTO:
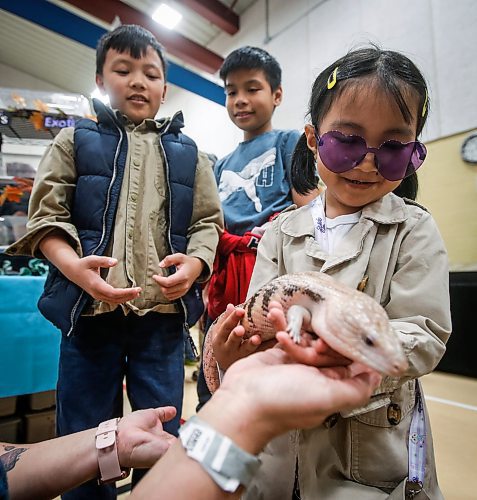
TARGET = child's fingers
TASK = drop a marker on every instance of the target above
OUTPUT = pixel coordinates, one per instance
(321, 346)
(235, 338)
(176, 291)
(248, 347)
(173, 296)
(172, 260)
(121, 295)
(107, 293)
(255, 340)
(275, 304)
(300, 354)
(228, 321)
(168, 281)
(276, 316)
(222, 342)
(95, 261)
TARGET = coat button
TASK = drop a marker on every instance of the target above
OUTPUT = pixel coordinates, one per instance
(331, 420)
(362, 284)
(394, 414)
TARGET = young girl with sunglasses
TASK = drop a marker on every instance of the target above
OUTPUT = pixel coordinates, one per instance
(366, 112)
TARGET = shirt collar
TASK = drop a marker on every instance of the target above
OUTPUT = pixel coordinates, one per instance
(145, 125)
(390, 209)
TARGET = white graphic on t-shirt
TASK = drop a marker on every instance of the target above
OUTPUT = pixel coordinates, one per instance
(248, 178)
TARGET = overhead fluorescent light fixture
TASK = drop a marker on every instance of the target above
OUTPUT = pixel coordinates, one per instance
(96, 94)
(167, 16)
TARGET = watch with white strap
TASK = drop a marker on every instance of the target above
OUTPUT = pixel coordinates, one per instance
(108, 460)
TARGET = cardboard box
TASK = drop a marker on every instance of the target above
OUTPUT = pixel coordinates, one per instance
(8, 406)
(40, 426)
(10, 429)
(42, 400)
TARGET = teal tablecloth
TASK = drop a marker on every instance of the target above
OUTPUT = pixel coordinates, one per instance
(29, 344)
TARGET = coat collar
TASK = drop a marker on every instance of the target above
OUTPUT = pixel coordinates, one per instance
(390, 209)
(108, 116)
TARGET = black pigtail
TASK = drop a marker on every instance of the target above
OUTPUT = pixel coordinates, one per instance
(304, 176)
(408, 187)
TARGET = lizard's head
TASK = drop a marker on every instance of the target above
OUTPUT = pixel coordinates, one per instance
(360, 330)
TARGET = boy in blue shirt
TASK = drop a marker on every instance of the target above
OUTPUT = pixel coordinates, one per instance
(254, 180)
(126, 212)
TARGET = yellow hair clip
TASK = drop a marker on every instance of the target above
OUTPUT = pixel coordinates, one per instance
(424, 106)
(332, 79)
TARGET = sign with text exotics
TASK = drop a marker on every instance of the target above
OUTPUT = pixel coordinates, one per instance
(58, 122)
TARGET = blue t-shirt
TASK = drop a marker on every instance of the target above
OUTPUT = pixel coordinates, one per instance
(254, 180)
(3, 483)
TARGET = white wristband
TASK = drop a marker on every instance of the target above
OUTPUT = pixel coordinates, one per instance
(227, 464)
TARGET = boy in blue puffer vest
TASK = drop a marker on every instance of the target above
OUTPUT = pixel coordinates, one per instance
(127, 213)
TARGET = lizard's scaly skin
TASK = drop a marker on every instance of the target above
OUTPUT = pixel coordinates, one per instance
(349, 321)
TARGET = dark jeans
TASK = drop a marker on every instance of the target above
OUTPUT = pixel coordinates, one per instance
(203, 392)
(146, 350)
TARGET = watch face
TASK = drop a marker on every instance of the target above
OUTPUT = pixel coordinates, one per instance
(469, 149)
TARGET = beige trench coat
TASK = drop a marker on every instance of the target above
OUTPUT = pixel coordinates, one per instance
(363, 454)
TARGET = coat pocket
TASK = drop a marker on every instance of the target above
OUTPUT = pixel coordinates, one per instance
(379, 441)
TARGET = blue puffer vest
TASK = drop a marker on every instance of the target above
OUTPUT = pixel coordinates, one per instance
(100, 157)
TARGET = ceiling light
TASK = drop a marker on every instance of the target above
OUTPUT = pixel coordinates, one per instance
(96, 94)
(167, 16)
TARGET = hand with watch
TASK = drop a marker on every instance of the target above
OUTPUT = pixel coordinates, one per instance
(137, 440)
(49, 468)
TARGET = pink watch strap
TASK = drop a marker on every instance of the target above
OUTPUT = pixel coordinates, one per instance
(108, 460)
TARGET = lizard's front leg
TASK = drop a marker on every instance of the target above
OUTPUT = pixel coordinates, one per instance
(296, 317)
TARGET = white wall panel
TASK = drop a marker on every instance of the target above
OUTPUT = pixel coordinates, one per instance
(455, 33)
(440, 36)
(205, 121)
(14, 78)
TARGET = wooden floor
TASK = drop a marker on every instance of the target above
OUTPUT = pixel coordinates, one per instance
(452, 404)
